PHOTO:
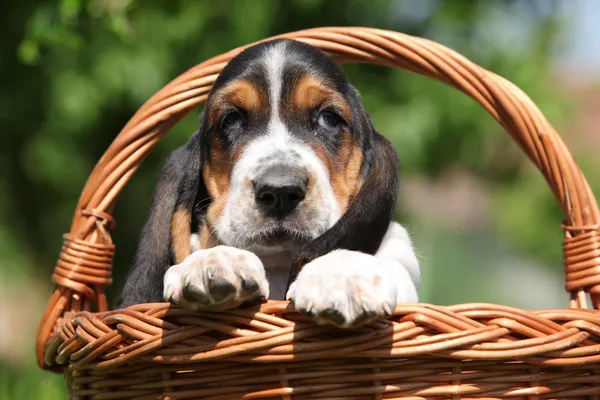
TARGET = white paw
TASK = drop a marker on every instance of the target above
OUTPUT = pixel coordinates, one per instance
(347, 288)
(216, 279)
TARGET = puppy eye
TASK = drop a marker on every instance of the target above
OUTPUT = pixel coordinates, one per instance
(232, 118)
(329, 120)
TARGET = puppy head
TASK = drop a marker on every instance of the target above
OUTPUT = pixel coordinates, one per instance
(286, 147)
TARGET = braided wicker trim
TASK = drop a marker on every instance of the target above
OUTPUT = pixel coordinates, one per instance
(582, 258)
(275, 332)
(246, 350)
(82, 263)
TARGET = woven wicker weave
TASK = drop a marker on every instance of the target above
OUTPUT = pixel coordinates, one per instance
(266, 352)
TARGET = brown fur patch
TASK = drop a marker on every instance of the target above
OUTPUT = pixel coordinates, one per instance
(181, 233)
(240, 93)
(217, 177)
(344, 169)
(310, 93)
(207, 238)
(217, 184)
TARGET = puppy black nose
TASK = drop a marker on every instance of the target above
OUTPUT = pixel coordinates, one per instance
(279, 194)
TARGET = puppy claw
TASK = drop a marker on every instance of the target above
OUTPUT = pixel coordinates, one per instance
(291, 293)
(332, 316)
(250, 286)
(366, 317)
(170, 299)
(220, 289)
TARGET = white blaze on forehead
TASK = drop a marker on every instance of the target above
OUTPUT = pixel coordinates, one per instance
(274, 60)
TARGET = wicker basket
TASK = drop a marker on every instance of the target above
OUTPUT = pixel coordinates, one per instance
(266, 352)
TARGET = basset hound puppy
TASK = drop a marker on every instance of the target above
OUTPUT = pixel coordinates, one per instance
(286, 191)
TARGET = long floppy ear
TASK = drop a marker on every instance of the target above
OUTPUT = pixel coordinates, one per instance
(366, 221)
(165, 238)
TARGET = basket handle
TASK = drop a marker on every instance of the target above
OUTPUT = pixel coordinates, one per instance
(84, 266)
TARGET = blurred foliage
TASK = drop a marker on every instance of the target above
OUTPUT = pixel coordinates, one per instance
(74, 71)
(32, 383)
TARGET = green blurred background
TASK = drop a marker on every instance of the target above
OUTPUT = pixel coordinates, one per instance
(483, 220)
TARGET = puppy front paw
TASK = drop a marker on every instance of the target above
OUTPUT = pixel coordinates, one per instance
(346, 289)
(216, 279)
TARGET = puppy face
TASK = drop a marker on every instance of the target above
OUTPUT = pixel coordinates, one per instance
(282, 138)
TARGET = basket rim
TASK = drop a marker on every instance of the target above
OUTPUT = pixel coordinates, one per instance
(274, 332)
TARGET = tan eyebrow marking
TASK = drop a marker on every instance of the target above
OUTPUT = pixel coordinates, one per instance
(311, 92)
(240, 93)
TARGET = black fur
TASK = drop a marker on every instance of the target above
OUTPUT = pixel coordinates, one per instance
(180, 185)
